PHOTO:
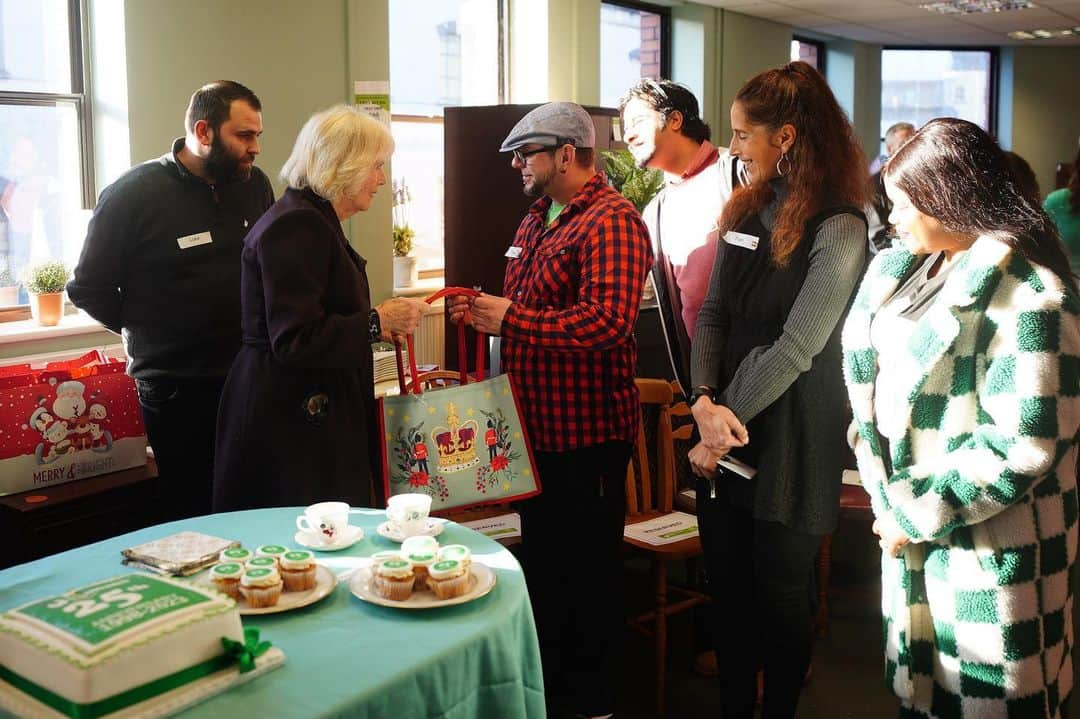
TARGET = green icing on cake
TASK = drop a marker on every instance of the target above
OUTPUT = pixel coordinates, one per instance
(298, 556)
(445, 565)
(272, 549)
(263, 562)
(237, 553)
(256, 573)
(99, 612)
(229, 568)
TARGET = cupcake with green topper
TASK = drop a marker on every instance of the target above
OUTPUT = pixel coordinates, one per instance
(448, 578)
(236, 554)
(226, 578)
(298, 570)
(261, 587)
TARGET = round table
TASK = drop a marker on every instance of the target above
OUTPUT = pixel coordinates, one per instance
(344, 656)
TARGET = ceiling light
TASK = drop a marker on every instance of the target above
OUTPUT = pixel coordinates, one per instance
(1044, 34)
(966, 7)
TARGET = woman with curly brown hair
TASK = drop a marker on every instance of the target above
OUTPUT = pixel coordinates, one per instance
(767, 374)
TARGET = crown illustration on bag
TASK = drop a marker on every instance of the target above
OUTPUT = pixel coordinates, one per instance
(456, 442)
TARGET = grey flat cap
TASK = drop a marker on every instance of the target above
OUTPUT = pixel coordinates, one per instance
(555, 123)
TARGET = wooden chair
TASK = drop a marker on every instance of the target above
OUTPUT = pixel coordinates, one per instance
(649, 497)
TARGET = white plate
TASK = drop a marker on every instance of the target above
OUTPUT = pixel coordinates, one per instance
(433, 529)
(349, 537)
(481, 581)
(325, 581)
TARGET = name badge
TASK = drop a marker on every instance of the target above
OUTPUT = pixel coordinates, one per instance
(189, 241)
(741, 239)
(513, 253)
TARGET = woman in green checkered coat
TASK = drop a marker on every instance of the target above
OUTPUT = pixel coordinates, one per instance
(962, 361)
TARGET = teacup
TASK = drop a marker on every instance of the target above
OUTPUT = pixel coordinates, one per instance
(326, 521)
(408, 513)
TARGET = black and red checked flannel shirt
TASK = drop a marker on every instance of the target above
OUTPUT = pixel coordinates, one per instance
(568, 338)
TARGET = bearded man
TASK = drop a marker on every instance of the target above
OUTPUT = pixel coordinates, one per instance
(161, 266)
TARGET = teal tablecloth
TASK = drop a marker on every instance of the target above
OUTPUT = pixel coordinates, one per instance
(346, 657)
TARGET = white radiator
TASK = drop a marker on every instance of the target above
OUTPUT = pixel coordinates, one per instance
(430, 340)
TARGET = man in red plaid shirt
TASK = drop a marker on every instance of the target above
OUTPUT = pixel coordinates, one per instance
(574, 277)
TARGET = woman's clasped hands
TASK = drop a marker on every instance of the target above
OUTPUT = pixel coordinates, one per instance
(721, 431)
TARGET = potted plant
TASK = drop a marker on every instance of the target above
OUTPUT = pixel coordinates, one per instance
(637, 184)
(404, 262)
(9, 288)
(45, 283)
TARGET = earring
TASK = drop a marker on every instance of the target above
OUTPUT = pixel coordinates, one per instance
(779, 170)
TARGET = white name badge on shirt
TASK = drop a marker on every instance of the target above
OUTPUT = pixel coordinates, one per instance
(189, 241)
(741, 239)
(513, 253)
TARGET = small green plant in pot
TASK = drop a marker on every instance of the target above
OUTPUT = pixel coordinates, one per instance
(45, 282)
(404, 262)
(637, 184)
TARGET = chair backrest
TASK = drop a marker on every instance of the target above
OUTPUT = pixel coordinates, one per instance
(647, 491)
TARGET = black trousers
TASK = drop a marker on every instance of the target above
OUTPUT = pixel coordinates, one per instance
(761, 580)
(572, 557)
(181, 421)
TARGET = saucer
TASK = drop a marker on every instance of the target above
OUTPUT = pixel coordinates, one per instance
(433, 528)
(349, 537)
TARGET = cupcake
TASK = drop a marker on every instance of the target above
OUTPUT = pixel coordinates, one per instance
(261, 587)
(380, 557)
(457, 551)
(262, 563)
(271, 550)
(226, 578)
(236, 554)
(298, 570)
(448, 578)
(420, 563)
(421, 544)
(393, 579)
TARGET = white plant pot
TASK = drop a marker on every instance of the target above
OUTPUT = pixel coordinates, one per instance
(404, 271)
(9, 296)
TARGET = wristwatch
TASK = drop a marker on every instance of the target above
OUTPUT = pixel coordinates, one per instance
(374, 326)
(704, 390)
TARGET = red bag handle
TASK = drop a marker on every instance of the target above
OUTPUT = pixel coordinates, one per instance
(462, 361)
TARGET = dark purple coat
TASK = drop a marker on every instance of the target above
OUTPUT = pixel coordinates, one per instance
(296, 424)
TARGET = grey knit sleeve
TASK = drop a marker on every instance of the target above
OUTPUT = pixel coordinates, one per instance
(836, 261)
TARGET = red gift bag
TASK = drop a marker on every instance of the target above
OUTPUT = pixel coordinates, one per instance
(464, 444)
(70, 420)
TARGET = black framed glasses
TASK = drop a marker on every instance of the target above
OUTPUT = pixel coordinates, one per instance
(521, 157)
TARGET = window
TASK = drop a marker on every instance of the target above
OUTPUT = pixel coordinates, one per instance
(45, 156)
(443, 53)
(918, 85)
(633, 44)
(811, 52)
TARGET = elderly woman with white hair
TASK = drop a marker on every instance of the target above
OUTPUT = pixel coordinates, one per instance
(297, 421)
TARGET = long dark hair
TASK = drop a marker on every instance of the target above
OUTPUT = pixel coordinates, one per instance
(1074, 186)
(956, 173)
(828, 167)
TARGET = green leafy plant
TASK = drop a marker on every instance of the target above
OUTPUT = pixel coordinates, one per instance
(637, 184)
(6, 278)
(403, 233)
(46, 277)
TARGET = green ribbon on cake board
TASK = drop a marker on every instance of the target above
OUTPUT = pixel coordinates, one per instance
(242, 654)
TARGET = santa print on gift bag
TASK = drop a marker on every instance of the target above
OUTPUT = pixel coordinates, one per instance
(464, 445)
(70, 420)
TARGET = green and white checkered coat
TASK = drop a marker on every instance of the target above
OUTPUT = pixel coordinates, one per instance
(977, 608)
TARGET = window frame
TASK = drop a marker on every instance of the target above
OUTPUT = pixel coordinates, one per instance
(80, 98)
(820, 45)
(665, 28)
(503, 55)
(994, 71)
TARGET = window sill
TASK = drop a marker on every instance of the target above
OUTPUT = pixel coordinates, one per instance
(29, 330)
(421, 288)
